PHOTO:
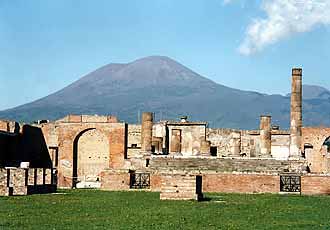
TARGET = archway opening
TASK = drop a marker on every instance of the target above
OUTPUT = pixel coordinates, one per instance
(90, 158)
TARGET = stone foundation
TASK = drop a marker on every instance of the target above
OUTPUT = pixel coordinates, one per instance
(222, 165)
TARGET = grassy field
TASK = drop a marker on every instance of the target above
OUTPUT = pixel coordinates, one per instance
(92, 209)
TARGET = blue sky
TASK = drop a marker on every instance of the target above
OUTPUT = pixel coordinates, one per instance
(247, 44)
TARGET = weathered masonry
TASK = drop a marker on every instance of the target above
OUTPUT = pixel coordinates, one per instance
(180, 159)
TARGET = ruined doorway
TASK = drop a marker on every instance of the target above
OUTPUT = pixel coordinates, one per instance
(90, 158)
(176, 141)
(214, 151)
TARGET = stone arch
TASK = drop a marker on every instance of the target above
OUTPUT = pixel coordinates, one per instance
(91, 153)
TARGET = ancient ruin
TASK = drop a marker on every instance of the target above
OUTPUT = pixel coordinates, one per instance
(180, 159)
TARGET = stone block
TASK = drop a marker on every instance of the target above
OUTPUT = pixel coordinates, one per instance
(180, 187)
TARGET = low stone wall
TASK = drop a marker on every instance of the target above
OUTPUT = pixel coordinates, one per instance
(223, 165)
(311, 184)
(222, 182)
(155, 182)
(241, 183)
(18, 181)
(115, 180)
(315, 184)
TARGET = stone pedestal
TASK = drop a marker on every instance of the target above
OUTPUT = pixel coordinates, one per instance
(181, 187)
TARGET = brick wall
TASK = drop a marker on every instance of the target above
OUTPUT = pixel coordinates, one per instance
(240, 183)
(155, 182)
(118, 147)
(179, 187)
(115, 180)
(65, 135)
(315, 184)
(317, 159)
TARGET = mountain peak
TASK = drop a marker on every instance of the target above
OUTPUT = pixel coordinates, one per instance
(151, 70)
(160, 63)
(156, 58)
(168, 88)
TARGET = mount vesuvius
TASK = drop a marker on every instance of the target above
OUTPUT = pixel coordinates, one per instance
(164, 86)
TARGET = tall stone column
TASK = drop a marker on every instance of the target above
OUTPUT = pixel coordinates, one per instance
(296, 114)
(265, 136)
(146, 132)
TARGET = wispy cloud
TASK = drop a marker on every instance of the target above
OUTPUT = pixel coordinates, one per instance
(283, 19)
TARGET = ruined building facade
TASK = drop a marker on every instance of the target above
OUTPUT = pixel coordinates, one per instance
(103, 152)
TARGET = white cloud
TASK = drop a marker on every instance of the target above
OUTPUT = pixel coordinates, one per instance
(283, 19)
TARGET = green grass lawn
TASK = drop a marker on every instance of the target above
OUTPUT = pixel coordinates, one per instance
(93, 209)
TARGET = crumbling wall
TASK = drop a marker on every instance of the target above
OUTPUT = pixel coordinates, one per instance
(191, 138)
(281, 146)
(88, 119)
(66, 133)
(226, 140)
(220, 138)
(250, 143)
(133, 141)
(317, 156)
(223, 139)
(19, 181)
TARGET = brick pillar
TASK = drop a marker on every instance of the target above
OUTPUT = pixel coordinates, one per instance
(265, 136)
(146, 132)
(296, 114)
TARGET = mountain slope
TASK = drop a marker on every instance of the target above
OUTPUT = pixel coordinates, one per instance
(314, 92)
(169, 89)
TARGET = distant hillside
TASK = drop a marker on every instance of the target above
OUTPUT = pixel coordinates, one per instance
(169, 89)
(315, 92)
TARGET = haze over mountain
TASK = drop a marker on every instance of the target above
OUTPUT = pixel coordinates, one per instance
(161, 85)
(315, 92)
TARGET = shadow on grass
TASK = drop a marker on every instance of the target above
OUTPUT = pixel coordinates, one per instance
(205, 199)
